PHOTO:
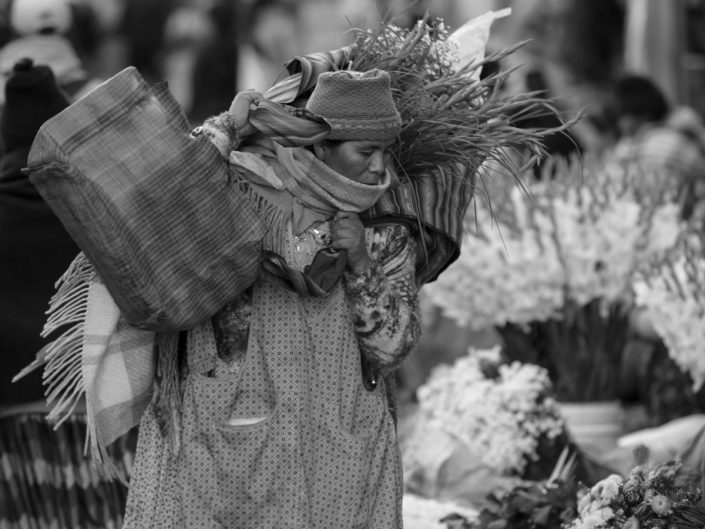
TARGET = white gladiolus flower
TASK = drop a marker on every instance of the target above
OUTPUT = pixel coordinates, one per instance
(673, 296)
(574, 239)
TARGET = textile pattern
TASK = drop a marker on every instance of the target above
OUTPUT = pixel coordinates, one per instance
(149, 204)
(46, 482)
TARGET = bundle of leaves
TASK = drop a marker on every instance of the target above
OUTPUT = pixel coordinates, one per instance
(545, 504)
(453, 119)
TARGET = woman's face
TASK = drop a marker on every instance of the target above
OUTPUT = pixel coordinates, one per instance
(362, 161)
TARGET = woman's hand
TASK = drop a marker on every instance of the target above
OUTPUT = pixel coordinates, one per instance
(349, 234)
(240, 109)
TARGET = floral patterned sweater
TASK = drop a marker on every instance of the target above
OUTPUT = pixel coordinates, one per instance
(384, 299)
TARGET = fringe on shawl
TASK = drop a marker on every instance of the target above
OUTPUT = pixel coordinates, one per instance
(62, 358)
(63, 377)
(274, 218)
(168, 400)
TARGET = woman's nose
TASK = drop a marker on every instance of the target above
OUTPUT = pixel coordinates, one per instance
(377, 163)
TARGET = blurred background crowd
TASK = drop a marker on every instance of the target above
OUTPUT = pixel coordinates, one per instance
(207, 49)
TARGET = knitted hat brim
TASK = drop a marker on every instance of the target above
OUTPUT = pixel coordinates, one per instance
(378, 129)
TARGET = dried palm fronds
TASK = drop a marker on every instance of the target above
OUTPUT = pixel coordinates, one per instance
(452, 119)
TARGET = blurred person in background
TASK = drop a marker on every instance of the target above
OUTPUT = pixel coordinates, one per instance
(187, 30)
(599, 131)
(44, 479)
(143, 26)
(214, 76)
(34, 246)
(672, 156)
(45, 31)
(271, 39)
(561, 144)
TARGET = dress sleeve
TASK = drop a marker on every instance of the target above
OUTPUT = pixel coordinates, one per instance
(384, 299)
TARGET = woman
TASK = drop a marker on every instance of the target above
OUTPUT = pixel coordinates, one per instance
(672, 159)
(285, 418)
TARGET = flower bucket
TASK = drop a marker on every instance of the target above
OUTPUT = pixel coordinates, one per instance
(595, 426)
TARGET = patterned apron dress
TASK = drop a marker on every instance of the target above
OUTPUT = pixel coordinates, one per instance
(292, 440)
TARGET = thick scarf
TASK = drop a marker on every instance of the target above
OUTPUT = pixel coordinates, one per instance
(315, 194)
(319, 192)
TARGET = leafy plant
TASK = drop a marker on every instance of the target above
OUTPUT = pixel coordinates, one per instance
(545, 504)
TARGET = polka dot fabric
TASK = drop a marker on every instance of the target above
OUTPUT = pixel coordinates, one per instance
(320, 451)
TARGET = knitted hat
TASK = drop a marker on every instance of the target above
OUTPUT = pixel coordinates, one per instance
(357, 105)
(32, 97)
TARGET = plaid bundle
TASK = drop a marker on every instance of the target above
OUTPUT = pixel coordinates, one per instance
(150, 205)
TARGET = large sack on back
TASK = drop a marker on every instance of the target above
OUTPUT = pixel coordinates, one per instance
(152, 207)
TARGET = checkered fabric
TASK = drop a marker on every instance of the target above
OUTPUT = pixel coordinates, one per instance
(150, 205)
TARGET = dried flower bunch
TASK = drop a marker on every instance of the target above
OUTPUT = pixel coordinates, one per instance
(452, 119)
(662, 497)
